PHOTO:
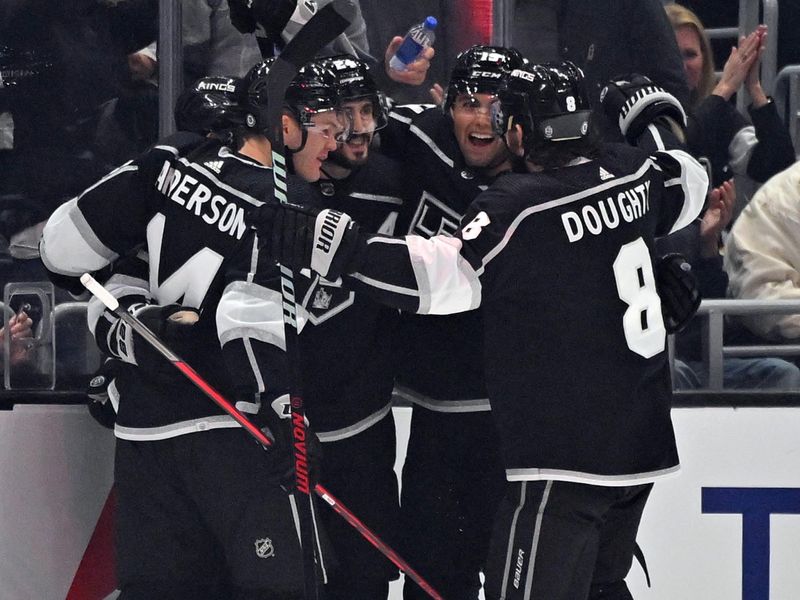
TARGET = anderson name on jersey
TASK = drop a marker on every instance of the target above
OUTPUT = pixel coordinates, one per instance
(181, 206)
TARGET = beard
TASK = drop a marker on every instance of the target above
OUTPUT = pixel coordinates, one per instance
(337, 157)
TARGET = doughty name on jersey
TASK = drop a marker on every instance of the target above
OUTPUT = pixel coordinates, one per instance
(198, 198)
(629, 204)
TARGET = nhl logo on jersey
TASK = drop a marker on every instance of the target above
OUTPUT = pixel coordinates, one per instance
(264, 548)
(322, 299)
(327, 188)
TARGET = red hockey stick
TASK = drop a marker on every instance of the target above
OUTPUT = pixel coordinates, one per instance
(111, 303)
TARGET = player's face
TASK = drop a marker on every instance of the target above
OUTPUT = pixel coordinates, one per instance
(689, 44)
(355, 151)
(321, 140)
(472, 125)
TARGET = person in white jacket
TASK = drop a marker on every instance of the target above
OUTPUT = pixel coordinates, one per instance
(763, 254)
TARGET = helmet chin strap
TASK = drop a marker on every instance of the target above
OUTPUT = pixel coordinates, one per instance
(303, 140)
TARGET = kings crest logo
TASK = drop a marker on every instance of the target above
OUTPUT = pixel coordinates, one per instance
(322, 299)
(264, 548)
(434, 217)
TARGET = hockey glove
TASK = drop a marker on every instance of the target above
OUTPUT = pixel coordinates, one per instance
(677, 287)
(326, 241)
(102, 403)
(287, 457)
(171, 323)
(634, 102)
(270, 15)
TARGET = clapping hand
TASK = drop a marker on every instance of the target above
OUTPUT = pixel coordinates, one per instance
(717, 217)
(742, 67)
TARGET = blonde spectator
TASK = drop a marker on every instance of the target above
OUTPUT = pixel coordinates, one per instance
(751, 149)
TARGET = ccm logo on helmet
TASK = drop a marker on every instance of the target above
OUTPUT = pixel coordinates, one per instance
(486, 74)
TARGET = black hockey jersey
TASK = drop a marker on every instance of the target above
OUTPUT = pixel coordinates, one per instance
(348, 345)
(182, 206)
(560, 264)
(346, 342)
(442, 363)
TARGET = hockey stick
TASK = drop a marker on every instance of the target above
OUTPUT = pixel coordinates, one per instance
(329, 21)
(112, 304)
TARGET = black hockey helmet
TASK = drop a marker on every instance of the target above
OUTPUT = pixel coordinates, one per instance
(254, 98)
(352, 81)
(310, 92)
(548, 100)
(480, 69)
(209, 105)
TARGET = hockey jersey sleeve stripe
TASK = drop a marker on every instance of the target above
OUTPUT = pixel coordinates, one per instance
(69, 246)
(432, 145)
(694, 183)
(170, 149)
(247, 310)
(612, 183)
(127, 167)
(657, 139)
(377, 198)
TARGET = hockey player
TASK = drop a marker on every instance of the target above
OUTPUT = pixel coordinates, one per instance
(452, 476)
(203, 511)
(560, 261)
(348, 348)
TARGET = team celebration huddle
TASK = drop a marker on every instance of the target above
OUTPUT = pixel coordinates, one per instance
(305, 251)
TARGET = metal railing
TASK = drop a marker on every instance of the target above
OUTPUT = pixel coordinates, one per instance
(714, 349)
(787, 100)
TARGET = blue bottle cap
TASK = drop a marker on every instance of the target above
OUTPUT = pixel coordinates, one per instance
(431, 22)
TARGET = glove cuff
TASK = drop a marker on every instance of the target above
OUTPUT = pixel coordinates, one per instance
(330, 256)
(646, 99)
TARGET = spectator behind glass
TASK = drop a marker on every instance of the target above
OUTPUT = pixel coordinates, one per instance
(701, 245)
(763, 254)
(19, 327)
(731, 144)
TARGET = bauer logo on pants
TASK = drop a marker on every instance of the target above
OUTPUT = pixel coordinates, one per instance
(264, 548)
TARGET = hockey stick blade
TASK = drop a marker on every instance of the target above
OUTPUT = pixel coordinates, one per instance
(112, 304)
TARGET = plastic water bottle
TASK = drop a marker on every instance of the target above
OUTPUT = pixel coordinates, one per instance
(417, 39)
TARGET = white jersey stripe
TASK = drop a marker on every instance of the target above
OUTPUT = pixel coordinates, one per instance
(590, 478)
(233, 191)
(149, 434)
(511, 535)
(356, 428)
(537, 533)
(377, 198)
(432, 145)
